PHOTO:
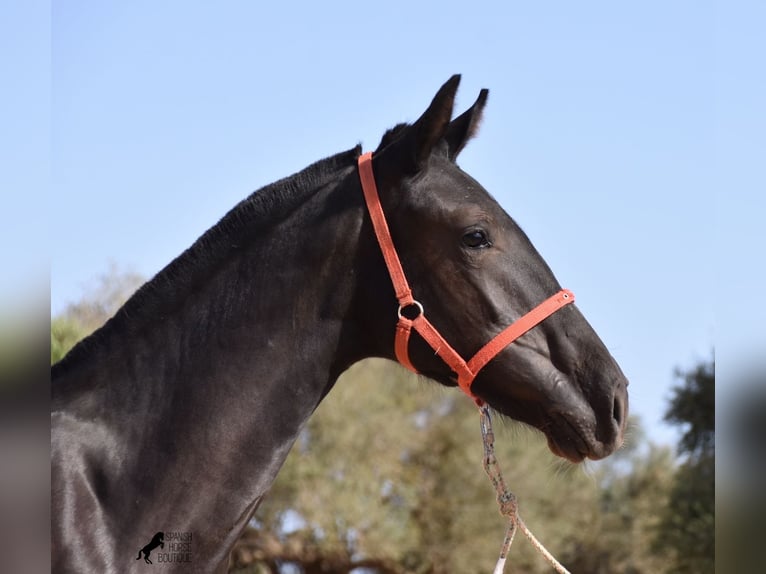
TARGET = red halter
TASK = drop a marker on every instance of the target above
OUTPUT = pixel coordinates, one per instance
(466, 370)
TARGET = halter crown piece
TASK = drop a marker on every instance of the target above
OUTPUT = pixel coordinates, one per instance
(466, 370)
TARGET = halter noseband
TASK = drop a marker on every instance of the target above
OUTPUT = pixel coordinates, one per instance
(466, 370)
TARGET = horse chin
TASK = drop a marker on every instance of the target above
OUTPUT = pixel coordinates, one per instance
(569, 427)
(565, 442)
(563, 438)
(570, 438)
(567, 422)
(572, 455)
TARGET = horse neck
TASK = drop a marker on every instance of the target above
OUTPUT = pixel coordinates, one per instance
(209, 394)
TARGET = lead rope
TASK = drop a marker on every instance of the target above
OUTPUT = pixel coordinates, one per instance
(507, 500)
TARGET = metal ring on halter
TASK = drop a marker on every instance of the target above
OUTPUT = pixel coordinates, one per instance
(416, 303)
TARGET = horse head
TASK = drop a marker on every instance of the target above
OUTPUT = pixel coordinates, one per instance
(475, 272)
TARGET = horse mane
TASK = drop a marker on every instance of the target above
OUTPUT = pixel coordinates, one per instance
(260, 210)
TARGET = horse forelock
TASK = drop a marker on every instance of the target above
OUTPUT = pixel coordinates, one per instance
(392, 135)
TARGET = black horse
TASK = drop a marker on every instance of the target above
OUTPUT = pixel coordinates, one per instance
(182, 408)
(157, 540)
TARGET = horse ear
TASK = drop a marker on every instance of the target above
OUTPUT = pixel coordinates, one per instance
(406, 149)
(465, 126)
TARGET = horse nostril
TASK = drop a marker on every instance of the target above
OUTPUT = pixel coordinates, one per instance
(610, 430)
(618, 411)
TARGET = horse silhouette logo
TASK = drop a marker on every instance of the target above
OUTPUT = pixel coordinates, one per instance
(157, 540)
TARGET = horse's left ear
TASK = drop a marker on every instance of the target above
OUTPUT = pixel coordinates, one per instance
(465, 126)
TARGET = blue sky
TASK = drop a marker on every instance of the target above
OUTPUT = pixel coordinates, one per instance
(623, 137)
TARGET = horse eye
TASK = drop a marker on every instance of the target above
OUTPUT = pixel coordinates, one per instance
(476, 239)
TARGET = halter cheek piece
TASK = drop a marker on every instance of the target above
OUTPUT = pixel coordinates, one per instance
(466, 370)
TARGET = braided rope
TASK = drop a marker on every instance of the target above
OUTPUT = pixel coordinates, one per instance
(507, 500)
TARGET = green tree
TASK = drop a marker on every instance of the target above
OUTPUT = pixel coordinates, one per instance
(387, 476)
(687, 530)
(65, 333)
(634, 486)
(97, 305)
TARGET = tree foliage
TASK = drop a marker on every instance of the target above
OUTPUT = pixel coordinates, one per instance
(387, 476)
(65, 333)
(687, 531)
(83, 317)
(692, 406)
